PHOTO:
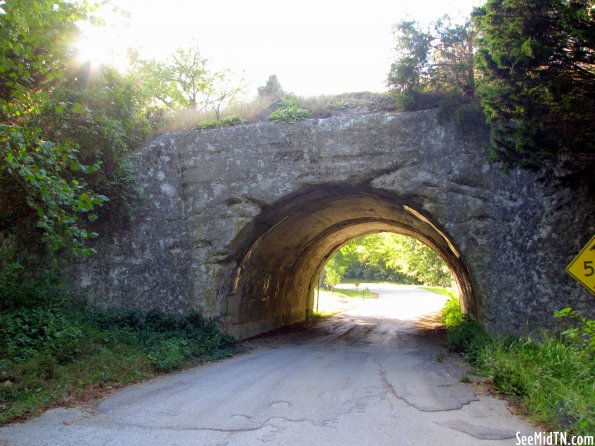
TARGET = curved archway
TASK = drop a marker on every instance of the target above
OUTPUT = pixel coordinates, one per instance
(283, 252)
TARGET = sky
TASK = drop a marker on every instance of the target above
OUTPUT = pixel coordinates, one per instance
(313, 46)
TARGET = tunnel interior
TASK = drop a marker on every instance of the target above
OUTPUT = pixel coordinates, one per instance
(280, 256)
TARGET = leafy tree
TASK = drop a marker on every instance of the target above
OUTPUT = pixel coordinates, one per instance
(453, 57)
(272, 89)
(43, 175)
(64, 131)
(537, 78)
(184, 81)
(411, 70)
(159, 83)
(414, 259)
(407, 258)
(221, 91)
(431, 65)
(335, 268)
(114, 121)
(188, 74)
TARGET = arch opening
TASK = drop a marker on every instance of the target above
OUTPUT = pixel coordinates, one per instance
(283, 253)
(387, 257)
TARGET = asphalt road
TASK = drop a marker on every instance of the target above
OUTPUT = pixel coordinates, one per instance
(374, 375)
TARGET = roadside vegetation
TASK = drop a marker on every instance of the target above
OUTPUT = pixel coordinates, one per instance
(340, 293)
(57, 351)
(445, 291)
(549, 376)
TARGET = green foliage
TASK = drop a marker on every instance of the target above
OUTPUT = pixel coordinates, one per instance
(390, 257)
(169, 354)
(185, 81)
(432, 66)
(536, 77)
(20, 288)
(468, 337)
(30, 332)
(552, 377)
(289, 111)
(52, 349)
(451, 313)
(65, 131)
(60, 203)
(335, 269)
(368, 272)
(410, 72)
(113, 123)
(583, 332)
(169, 341)
(225, 122)
(45, 175)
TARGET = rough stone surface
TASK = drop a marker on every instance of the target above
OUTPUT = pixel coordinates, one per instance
(238, 221)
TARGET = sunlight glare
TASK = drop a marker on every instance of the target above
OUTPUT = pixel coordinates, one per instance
(98, 46)
(313, 47)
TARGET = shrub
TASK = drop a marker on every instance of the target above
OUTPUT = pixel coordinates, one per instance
(169, 341)
(27, 332)
(289, 114)
(53, 348)
(468, 337)
(583, 332)
(290, 111)
(217, 123)
(169, 353)
(20, 288)
(51, 354)
(451, 313)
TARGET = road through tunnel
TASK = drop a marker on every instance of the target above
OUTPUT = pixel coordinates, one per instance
(290, 242)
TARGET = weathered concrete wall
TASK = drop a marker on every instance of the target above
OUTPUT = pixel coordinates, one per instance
(239, 220)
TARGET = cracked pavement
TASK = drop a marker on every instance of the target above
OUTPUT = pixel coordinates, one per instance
(371, 375)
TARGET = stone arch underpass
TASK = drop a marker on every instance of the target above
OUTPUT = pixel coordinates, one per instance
(275, 279)
(238, 221)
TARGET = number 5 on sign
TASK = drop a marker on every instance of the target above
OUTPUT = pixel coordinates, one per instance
(582, 267)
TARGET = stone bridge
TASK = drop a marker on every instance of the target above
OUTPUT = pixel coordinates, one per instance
(238, 222)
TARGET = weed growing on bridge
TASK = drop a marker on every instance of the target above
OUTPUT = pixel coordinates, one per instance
(551, 378)
(290, 111)
(54, 352)
(217, 123)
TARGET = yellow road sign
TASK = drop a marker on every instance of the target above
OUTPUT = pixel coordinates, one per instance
(582, 267)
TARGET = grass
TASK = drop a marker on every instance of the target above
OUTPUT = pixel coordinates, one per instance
(260, 109)
(347, 280)
(247, 112)
(323, 314)
(58, 355)
(445, 291)
(40, 383)
(350, 294)
(218, 123)
(551, 379)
